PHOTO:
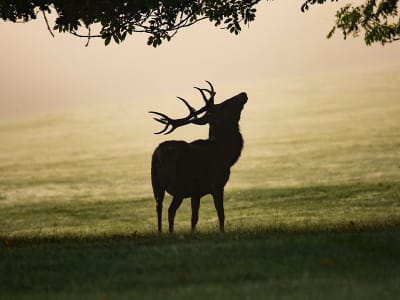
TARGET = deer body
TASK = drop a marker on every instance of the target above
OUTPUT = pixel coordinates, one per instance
(201, 167)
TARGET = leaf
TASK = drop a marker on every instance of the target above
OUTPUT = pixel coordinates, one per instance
(331, 32)
(123, 36)
(107, 40)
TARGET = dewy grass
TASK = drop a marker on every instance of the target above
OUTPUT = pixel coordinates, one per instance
(323, 206)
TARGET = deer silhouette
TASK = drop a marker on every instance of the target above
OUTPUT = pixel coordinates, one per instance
(203, 166)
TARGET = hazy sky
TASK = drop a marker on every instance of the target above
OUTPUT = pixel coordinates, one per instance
(40, 73)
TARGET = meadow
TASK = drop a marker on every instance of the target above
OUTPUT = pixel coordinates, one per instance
(312, 207)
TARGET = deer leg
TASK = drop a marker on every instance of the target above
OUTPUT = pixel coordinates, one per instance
(176, 202)
(159, 215)
(218, 197)
(159, 206)
(195, 211)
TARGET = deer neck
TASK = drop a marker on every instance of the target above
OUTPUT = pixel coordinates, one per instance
(228, 141)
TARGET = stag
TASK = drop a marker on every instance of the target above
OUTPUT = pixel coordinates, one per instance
(203, 166)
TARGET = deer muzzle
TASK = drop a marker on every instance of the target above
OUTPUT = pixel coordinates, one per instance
(243, 97)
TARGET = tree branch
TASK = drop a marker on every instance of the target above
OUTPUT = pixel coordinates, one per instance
(89, 36)
(47, 23)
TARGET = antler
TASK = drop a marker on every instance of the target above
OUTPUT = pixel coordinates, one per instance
(212, 93)
(193, 113)
(174, 123)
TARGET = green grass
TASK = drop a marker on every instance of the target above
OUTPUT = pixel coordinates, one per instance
(312, 207)
(345, 263)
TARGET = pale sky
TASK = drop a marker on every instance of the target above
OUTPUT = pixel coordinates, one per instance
(39, 73)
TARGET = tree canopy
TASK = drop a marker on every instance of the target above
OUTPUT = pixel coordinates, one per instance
(378, 20)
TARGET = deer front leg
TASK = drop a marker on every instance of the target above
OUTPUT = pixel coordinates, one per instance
(218, 197)
(195, 211)
(176, 202)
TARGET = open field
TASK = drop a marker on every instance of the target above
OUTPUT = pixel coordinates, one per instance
(312, 207)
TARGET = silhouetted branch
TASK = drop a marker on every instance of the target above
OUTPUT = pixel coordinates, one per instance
(89, 36)
(47, 23)
(74, 33)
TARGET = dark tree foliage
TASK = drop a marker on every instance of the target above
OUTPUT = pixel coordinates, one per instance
(378, 20)
(118, 18)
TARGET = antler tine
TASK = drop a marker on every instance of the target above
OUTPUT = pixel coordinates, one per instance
(211, 92)
(169, 131)
(192, 110)
(163, 120)
(161, 131)
(202, 93)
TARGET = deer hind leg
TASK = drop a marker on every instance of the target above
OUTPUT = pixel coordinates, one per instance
(176, 202)
(218, 197)
(195, 211)
(159, 207)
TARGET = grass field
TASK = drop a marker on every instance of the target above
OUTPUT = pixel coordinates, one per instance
(312, 207)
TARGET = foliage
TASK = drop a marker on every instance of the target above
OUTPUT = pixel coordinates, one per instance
(118, 18)
(379, 19)
(162, 19)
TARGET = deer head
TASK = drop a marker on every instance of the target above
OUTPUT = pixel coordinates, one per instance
(225, 113)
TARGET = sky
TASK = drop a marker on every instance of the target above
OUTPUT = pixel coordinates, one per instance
(39, 73)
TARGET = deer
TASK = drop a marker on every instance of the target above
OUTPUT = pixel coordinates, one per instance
(202, 166)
